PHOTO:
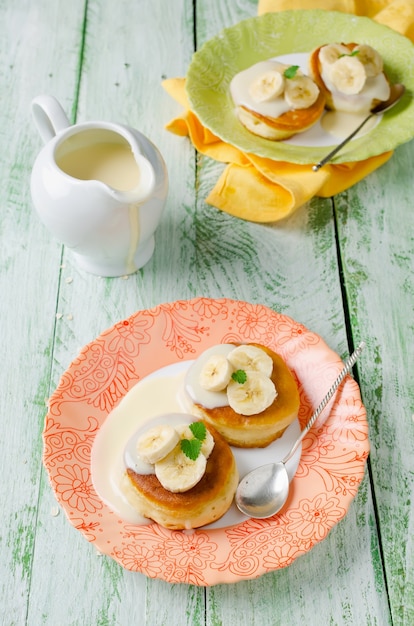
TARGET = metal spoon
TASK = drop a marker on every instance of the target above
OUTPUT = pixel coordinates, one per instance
(396, 94)
(264, 490)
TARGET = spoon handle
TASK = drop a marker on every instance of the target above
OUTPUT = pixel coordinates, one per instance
(349, 363)
(340, 146)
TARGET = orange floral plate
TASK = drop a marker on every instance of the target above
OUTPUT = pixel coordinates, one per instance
(330, 470)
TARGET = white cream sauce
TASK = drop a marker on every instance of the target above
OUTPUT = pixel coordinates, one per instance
(111, 163)
(147, 403)
(134, 224)
(242, 81)
(150, 398)
(376, 87)
(323, 134)
(341, 124)
(209, 399)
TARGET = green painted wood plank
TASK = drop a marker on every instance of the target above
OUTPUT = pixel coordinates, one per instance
(293, 267)
(32, 55)
(121, 81)
(377, 245)
(48, 572)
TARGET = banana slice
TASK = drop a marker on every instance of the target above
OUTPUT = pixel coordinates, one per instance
(207, 446)
(268, 86)
(253, 396)
(216, 373)
(195, 392)
(332, 52)
(251, 358)
(370, 59)
(348, 75)
(301, 92)
(178, 473)
(156, 443)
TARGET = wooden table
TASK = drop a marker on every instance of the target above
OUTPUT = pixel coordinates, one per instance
(344, 267)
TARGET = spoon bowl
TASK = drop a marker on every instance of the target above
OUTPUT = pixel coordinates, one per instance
(396, 93)
(264, 490)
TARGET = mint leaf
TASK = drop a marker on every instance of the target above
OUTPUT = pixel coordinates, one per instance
(351, 54)
(199, 430)
(290, 72)
(191, 448)
(239, 376)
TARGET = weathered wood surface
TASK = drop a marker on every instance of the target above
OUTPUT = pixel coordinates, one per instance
(344, 268)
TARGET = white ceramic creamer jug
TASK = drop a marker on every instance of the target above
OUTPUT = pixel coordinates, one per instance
(100, 188)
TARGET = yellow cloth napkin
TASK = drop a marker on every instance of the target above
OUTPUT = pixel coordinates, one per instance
(259, 189)
(397, 14)
(262, 190)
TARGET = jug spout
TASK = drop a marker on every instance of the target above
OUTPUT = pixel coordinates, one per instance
(144, 179)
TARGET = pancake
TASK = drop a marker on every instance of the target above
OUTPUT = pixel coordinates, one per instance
(375, 90)
(276, 101)
(258, 430)
(286, 125)
(315, 69)
(203, 504)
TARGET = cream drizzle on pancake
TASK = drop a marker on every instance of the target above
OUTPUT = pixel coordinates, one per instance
(241, 82)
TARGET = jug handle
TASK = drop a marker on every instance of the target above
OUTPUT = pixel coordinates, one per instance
(49, 116)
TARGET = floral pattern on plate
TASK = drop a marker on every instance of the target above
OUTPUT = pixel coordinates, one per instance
(331, 468)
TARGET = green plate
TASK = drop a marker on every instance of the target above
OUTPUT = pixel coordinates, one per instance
(297, 33)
